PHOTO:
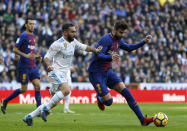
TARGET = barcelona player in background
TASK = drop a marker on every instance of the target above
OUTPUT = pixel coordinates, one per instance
(100, 69)
(27, 70)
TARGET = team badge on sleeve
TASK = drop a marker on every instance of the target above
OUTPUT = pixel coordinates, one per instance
(17, 41)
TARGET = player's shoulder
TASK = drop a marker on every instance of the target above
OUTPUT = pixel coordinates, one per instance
(23, 34)
(106, 36)
(58, 43)
(75, 41)
(60, 40)
(105, 39)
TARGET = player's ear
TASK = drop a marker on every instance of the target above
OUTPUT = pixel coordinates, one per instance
(65, 32)
(25, 25)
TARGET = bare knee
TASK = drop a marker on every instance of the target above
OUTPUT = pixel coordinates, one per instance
(36, 83)
(37, 87)
(66, 91)
(23, 88)
(65, 88)
(119, 87)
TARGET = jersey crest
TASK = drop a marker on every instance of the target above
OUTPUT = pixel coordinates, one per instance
(65, 45)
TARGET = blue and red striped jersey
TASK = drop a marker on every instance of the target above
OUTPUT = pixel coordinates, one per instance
(26, 44)
(103, 61)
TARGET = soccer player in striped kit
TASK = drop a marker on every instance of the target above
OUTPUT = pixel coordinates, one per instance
(27, 70)
(100, 69)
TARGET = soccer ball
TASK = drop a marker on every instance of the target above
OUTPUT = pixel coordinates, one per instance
(160, 119)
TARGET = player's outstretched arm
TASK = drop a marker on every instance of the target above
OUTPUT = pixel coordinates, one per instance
(95, 50)
(131, 47)
(18, 52)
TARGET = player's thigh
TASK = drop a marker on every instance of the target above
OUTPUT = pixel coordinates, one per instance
(98, 80)
(36, 84)
(113, 79)
(34, 74)
(59, 81)
(23, 78)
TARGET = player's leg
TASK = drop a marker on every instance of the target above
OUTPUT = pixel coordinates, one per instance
(28, 119)
(23, 78)
(120, 87)
(66, 104)
(64, 90)
(36, 84)
(98, 80)
(67, 98)
(35, 79)
(44, 109)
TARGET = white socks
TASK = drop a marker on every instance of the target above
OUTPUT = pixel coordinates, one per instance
(55, 99)
(36, 111)
(66, 103)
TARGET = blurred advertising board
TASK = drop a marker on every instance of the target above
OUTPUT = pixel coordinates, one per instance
(163, 86)
(89, 96)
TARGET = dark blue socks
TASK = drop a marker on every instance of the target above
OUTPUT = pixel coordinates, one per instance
(13, 95)
(132, 103)
(107, 103)
(38, 98)
(17, 92)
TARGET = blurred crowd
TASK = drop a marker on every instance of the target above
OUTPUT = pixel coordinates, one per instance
(164, 59)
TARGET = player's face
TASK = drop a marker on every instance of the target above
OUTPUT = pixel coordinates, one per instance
(30, 26)
(118, 34)
(71, 34)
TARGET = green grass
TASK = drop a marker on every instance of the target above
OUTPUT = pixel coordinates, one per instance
(88, 117)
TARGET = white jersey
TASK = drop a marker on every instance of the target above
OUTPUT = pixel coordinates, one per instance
(62, 52)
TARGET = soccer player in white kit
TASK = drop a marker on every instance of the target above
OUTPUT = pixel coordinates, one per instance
(61, 53)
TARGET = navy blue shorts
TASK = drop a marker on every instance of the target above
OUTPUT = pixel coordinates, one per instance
(26, 74)
(100, 81)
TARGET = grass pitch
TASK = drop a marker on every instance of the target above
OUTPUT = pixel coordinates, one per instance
(88, 117)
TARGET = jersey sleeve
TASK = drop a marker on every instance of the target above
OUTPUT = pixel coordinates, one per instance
(102, 55)
(79, 45)
(53, 50)
(130, 47)
(19, 41)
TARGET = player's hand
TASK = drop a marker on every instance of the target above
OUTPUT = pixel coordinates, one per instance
(38, 58)
(1, 60)
(50, 68)
(147, 38)
(99, 49)
(115, 57)
(73, 68)
(30, 56)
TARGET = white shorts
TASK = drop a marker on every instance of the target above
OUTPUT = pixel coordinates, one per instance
(57, 78)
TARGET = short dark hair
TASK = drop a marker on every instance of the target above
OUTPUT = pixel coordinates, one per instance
(29, 18)
(66, 26)
(121, 24)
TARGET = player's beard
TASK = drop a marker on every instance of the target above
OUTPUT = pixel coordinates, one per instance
(117, 37)
(31, 31)
(70, 39)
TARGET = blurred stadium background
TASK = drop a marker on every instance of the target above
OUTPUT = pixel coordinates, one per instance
(156, 72)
